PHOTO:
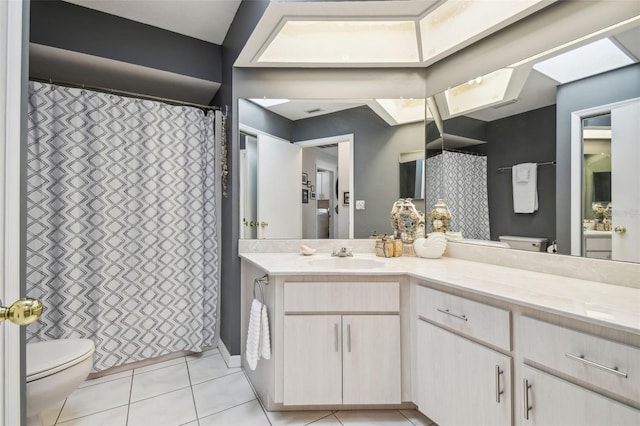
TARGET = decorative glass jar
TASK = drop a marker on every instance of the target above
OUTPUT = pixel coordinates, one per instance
(440, 217)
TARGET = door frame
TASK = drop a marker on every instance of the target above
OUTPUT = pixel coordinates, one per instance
(577, 158)
(14, 19)
(346, 138)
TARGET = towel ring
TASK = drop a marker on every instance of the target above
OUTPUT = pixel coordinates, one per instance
(258, 282)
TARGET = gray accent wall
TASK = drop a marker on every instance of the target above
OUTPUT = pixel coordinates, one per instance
(602, 89)
(71, 27)
(247, 16)
(377, 147)
(524, 138)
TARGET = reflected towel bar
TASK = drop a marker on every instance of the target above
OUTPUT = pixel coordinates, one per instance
(546, 163)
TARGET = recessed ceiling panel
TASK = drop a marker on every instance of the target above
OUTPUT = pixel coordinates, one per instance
(339, 42)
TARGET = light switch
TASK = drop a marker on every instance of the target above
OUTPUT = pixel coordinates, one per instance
(359, 204)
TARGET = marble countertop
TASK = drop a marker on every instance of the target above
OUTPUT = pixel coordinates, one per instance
(594, 302)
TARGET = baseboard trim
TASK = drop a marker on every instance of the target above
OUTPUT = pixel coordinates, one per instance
(232, 361)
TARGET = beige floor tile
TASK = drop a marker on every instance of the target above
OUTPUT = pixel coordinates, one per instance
(295, 417)
(417, 418)
(107, 378)
(93, 399)
(169, 409)
(207, 368)
(372, 417)
(249, 413)
(220, 394)
(159, 365)
(157, 382)
(112, 417)
(330, 420)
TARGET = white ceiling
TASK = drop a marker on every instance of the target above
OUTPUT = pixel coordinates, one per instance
(207, 20)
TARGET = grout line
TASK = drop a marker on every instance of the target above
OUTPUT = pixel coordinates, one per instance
(193, 397)
(130, 393)
(90, 414)
(264, 411)
(55, 422)
(322, 418)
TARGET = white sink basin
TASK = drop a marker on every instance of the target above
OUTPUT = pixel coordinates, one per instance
(346, 263)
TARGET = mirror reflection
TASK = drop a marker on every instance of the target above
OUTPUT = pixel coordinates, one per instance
(348, 165)
(481, 129)
(520, 119)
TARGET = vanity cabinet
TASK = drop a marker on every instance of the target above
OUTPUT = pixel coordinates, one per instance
(341, 343)
(592, 362)
(549, 400)
(462, 382)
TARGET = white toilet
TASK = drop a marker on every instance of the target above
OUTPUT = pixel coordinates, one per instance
(55, 368)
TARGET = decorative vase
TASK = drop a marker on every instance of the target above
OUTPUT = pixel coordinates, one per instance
(440, 217)
(407, 222)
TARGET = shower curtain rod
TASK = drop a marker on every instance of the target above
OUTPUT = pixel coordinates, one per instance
(124, 93)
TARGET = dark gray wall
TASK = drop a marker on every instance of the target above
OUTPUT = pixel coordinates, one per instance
(264, 120)
(247, 16)
(71, 27)
(602, 89)
(376, 151)
(522, 138)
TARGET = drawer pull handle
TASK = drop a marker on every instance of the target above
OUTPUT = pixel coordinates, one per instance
(498, 391)
(527, 407)
(581, 358)
(446, 311)
(337, 337)
(348, 337)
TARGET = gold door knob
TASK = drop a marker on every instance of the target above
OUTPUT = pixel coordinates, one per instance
(22, 312)
(620, 229)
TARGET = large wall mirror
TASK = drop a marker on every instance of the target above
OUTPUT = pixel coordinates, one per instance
(522, 114)
(352, 159)
(485, 126)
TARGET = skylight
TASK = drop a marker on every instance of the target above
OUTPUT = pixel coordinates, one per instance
(338, 42)
(588, 60)
(455, 23)
(478, 93)
(404, 111)
(268, 102)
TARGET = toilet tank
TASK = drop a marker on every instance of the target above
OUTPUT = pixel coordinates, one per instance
(525, 243)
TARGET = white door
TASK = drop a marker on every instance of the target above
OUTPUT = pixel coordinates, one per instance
(625, 191)
(11, 18)
(279, 189)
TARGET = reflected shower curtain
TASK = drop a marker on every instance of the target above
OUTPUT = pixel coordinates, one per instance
(461, 181)
(121, 223)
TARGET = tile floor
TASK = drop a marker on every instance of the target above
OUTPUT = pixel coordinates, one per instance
(196, 390)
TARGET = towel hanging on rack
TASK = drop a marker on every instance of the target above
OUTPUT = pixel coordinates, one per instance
(524, 179)
(258, 337)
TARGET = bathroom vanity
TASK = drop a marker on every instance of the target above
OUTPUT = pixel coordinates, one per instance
(465, 341)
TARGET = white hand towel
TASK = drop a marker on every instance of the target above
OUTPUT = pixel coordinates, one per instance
(265, 339)
(525, 187)
(253, 335)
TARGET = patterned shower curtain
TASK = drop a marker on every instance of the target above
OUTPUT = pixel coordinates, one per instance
(121, 223)
(461, 181)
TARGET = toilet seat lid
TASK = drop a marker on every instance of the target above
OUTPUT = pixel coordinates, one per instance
(45, 358)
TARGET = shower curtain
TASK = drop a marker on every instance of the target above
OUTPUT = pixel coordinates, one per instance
(122, 246)
(460, 179)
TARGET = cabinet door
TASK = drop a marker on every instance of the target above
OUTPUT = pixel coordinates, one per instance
(312, 359)
(553, 401)
(461, 382)
(371, 355)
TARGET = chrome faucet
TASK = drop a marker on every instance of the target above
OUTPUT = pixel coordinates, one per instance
(342, 252)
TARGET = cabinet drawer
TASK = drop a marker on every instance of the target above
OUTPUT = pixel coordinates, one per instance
(341, 297)
(483, 322)
(595, 360)
(598, 244)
